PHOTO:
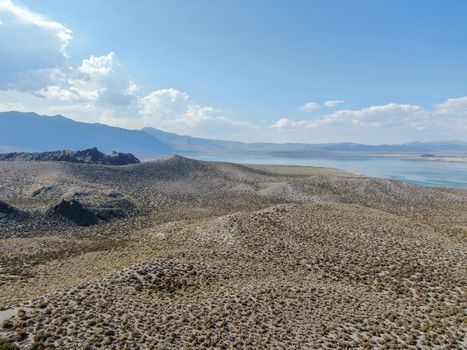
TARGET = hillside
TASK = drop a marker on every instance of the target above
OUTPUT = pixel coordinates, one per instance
(178, 253)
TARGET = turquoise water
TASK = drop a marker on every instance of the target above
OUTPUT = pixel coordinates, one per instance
(427, 173)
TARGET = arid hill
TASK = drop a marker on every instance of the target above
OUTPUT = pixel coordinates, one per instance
(183, 254)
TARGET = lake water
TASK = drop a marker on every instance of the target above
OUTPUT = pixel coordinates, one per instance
(427, 173)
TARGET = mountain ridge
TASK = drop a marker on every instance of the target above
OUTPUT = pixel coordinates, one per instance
(31, 132)
(87, 156)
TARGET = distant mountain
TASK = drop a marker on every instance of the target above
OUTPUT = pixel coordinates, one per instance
(192, 145)
(31, 132)
(187, 144)
(88, 156)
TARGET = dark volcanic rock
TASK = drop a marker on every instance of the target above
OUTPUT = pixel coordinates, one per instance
(76, 212)
(7, 210)
(84, 213)
(89, 156)
(10, 212)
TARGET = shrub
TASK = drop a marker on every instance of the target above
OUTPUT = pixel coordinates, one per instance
(5, 344)
(7, 324)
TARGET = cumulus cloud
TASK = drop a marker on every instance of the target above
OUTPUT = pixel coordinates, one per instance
(309, 107)
(99, 79)
(333, 103)
(391, 114)
(452, 107)
(97, 89)
(167, 109)
(97, 65)
(170, 108)
(34, 60)
(40, 44)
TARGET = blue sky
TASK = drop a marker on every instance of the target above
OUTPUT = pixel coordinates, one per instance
(281, 71)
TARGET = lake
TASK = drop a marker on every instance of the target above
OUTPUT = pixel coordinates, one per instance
(426, 173)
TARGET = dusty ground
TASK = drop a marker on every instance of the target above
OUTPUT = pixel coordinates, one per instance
(226, 256)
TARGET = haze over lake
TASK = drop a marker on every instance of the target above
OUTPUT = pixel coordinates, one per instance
(426, 173)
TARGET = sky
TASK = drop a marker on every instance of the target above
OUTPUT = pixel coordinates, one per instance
(386, 71)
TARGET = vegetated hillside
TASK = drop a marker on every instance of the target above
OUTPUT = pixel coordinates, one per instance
(179, 253)
(89, 156)
(31, 132)
(49, 194)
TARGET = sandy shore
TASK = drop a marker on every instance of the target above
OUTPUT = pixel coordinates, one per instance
(443, 159)
(292, 170)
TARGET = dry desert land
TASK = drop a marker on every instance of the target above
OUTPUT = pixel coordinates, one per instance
(185, 254)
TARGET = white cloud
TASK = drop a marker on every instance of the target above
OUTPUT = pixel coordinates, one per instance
(374, 116)
(27, 17)
(165, 104)
(43, 69)
(11, 106)
(391, 114)
(40, 44)
(175, 110)
(309, 107)
(167, 109)
(333, 103)
(75, 109)
(313, 106)
(452, 107)
(282, 123)
(100, 79)
(76, 92)
(98, 64)
(285, 123)
(98, 89)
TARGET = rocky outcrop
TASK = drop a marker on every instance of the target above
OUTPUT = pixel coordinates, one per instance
(76, 212)
(7, 210)
(89, 156)
(83, 213)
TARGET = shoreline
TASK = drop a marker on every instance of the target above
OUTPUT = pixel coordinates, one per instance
(444, 159)
(301, 170)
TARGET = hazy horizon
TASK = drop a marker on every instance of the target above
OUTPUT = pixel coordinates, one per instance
(434, 141)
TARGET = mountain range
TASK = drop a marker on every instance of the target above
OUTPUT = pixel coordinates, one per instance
(30, 132)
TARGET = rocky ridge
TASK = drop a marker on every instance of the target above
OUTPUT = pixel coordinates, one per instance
(88, 156)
